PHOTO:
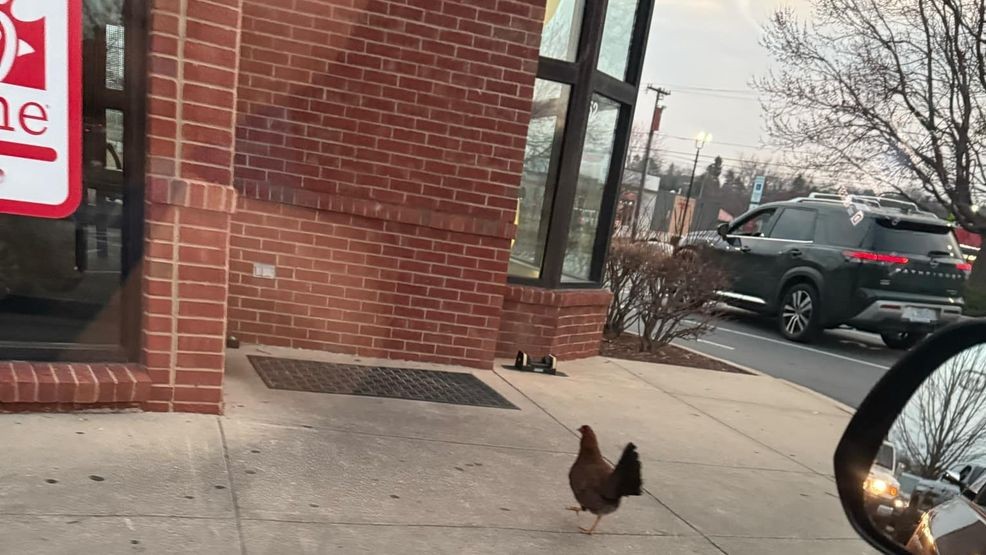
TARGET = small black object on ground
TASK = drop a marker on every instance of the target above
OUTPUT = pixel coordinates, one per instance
(547, 365)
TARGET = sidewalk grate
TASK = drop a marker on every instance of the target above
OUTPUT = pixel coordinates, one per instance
(377, 381)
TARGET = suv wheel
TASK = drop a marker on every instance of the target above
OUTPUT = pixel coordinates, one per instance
(799, 316)
(902, 340)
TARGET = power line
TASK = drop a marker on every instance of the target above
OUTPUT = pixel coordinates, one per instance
(712, 89)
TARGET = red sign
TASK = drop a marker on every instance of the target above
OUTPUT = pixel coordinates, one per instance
(40, 107)
(655, 124)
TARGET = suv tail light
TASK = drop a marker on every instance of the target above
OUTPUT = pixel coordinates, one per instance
(866, 256)
(964, 266)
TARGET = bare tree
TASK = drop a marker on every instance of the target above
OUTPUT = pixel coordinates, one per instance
(677, 298)
(945, 422)
(623, 276)
(892, 89)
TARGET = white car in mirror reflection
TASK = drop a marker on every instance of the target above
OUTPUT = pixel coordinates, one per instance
(882, 487)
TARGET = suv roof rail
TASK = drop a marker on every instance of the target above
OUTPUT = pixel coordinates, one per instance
(904, 206)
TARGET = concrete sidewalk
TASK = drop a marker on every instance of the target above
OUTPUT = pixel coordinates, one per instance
(732, 464)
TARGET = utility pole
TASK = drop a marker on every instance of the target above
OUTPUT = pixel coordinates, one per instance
(654, 127)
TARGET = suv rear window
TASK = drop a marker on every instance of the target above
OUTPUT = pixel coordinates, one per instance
(914, 238)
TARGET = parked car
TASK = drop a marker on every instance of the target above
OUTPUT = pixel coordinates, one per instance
(927, 495)
(955, 527)
(886, 267)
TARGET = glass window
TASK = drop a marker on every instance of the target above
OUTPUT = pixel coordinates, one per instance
(60, 280)
(114, 140)
(617, 32)
(544, 137)
(834, 228)
(794, 225)
(914, 238)
(594, 169)
(562, 28)
(115, 47)
(754, 225)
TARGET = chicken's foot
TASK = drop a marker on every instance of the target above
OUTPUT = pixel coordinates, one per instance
(591, 528)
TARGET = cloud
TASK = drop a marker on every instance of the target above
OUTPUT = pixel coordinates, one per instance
(29, 10)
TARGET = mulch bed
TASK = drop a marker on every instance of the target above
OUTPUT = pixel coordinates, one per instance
(627, 347)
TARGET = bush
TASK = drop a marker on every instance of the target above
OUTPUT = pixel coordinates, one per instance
(670, 296)
(624, 277)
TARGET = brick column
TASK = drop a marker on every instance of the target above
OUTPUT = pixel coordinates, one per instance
(191, 113)
(567, 323)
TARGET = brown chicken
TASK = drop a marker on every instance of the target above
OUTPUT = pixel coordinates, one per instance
(597, 486)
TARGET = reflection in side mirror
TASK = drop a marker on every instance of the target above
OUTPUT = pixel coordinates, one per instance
(953, 478)
(935, 502)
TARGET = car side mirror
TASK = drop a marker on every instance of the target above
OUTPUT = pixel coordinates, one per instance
(931, 408)
(723, 230)
(953, 478)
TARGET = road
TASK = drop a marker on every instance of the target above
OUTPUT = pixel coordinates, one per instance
(842, 364)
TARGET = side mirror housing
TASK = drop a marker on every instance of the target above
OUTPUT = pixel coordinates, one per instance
(930, 381)
(722, 230)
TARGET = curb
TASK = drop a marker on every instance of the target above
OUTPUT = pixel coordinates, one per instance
(722, 360)
(839, 405)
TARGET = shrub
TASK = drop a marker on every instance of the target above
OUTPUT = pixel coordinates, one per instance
(624, 277)
(670, 296)
(678, 299)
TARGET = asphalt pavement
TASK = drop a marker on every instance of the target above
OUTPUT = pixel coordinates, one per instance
(843, 364)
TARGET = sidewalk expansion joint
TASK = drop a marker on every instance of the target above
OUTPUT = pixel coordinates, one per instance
(232, 488)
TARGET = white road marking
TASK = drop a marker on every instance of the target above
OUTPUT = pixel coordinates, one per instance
(714, 344)
(803, 348)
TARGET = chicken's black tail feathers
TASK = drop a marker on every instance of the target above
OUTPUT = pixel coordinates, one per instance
(627, 472)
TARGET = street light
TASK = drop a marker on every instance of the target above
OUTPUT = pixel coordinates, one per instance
(701, 140)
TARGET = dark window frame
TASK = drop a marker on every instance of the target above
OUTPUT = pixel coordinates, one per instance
(132, 101)
(585, 81)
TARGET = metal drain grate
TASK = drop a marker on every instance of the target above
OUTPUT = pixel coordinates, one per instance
(377, 381)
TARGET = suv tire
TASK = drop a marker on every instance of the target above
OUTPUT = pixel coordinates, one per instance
(798, 318)
(902, 340)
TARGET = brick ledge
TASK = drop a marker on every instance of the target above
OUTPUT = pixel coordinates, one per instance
(366, 208)
(76, 385)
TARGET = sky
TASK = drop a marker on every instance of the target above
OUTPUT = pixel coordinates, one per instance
(706, 52)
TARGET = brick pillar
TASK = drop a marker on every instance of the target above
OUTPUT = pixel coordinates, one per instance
(191, 112)
(567, 323)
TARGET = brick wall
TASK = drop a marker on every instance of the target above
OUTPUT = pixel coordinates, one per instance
(379, 146)
(567, 324)
(192, 64)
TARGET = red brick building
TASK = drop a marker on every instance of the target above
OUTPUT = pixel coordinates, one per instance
(338, 175)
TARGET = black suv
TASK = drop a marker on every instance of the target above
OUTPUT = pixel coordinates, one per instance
(872, 263)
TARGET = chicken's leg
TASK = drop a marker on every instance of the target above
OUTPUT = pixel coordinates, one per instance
(593, 527)
(576, 508)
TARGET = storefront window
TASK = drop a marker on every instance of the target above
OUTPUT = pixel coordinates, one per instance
(61, 290)
(562, 23)
(597, 154)
(579, 125)
(617, 32)
(544, 138)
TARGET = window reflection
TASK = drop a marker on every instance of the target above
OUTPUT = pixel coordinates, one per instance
(594, 169)
(115, 47)
(544, 137)
(562, 28)
(60, 280)
(615, 48)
